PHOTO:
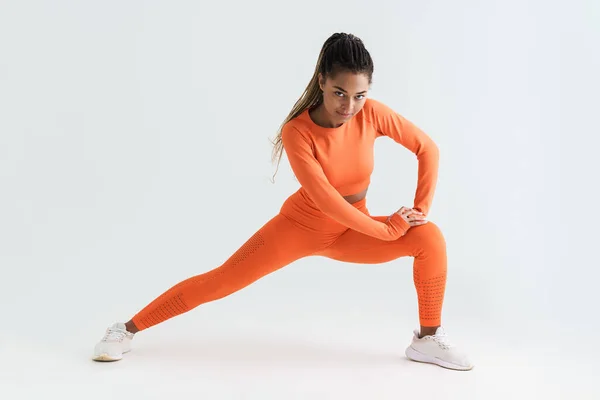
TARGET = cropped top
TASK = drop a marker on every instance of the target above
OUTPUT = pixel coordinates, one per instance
(330, 163)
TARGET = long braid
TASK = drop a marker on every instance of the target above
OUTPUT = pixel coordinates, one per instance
(340, 52)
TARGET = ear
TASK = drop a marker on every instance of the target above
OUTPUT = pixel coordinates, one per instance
(321, 81)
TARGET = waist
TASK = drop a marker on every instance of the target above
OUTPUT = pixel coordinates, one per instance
(355, 198)
(300, 208)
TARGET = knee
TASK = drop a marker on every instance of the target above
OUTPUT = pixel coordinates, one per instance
(429, 237)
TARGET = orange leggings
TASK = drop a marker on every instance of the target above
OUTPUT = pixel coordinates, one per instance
(301, 230)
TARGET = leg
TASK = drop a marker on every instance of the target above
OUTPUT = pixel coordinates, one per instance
(275, 245)
(425, 243)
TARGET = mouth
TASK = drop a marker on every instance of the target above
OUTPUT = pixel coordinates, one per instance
(345, 115)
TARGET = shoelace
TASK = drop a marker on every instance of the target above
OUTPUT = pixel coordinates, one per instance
(442, 340)
(113, 334)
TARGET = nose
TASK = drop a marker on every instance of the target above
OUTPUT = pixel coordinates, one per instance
(347, 105)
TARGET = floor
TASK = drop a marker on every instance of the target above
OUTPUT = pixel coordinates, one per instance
(355, 356)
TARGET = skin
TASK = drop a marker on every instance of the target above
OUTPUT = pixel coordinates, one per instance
(344, 95)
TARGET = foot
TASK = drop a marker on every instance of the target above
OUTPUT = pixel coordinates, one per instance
(436, 349)
(115, 343)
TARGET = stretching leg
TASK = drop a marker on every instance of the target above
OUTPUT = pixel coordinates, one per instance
(428, 247)
(275, 245)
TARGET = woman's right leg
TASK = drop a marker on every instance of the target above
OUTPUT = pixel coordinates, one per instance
(276, 244)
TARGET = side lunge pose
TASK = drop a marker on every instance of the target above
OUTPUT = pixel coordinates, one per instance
(329, 139)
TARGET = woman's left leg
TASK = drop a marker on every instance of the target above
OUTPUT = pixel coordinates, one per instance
(428, 247)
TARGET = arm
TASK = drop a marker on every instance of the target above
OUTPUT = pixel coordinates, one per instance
(312, 178)
(404, 132)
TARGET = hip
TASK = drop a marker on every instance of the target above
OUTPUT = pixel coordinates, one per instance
(304, 213)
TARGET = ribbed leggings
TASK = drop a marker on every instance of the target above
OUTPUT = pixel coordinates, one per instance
(301, 230)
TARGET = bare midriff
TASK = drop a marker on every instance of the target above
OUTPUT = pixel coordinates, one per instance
(353, 198)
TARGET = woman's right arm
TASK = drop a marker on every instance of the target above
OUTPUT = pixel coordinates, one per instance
(312, 178)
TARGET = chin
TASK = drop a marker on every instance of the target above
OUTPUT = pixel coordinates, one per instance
(343, 116)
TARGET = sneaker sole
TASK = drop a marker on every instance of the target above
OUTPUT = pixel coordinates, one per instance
(107, 358)
(415, 355)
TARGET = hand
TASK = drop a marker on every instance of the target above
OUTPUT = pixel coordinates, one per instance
(412, 216)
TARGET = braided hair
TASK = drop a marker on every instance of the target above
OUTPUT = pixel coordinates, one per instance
(341, 52)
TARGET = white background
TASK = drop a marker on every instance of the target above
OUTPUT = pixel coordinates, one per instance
(135, 152)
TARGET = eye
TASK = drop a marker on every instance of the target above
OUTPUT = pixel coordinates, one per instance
(338, 93)
(361, 96)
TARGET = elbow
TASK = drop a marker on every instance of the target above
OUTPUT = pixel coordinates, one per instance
(429, 151)
(435, 151)
(320, 199)
(432, 147)
(324, 205)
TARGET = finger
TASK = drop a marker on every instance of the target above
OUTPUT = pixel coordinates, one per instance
(403, 211)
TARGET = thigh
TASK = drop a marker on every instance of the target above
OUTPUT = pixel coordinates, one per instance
(276, 244)
(356, 247)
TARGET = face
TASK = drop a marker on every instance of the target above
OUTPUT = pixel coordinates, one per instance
(344, 95)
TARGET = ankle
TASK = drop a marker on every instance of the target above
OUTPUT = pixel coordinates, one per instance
(427, 331)
(130, 326)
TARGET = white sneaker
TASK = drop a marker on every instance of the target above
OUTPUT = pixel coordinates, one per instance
(115, 343)
(436, 349)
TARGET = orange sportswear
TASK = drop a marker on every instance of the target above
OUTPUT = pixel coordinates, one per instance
(330, 163)
(316, 220)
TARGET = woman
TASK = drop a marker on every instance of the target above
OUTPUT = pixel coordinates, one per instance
(329, 138)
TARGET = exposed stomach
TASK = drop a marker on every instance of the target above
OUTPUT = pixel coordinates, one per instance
(353, 198)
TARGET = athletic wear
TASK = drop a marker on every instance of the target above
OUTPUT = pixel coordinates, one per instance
(334, 162)
(317, 221)
(300, 230)
(437, 349)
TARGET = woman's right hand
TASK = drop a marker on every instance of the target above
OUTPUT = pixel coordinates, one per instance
(412, 216)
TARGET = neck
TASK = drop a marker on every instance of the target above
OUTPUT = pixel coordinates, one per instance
(319, 117)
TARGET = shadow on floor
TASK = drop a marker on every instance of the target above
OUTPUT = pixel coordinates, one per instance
(265, 352)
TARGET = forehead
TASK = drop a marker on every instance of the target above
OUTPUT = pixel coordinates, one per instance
(350, 81)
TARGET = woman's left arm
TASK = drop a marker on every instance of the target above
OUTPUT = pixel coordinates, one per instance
(390, 123)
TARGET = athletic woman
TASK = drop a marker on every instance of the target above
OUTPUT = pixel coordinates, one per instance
(329, 139)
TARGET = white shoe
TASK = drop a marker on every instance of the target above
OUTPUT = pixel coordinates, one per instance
(436, 349)
(115, 343)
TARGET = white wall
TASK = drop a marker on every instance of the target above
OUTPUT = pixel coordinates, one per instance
(134, 153)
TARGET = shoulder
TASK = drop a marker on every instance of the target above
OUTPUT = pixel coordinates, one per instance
(375, 109)
(295, 133)
(378, 114)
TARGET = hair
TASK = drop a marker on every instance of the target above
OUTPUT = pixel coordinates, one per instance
(341, 52)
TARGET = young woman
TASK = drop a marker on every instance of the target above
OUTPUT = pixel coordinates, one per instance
(329, 137)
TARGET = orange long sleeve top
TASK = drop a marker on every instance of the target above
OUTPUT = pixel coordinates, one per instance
(330, 163)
